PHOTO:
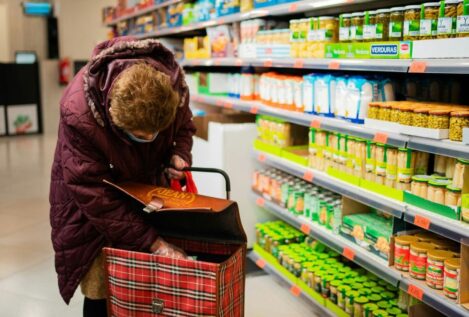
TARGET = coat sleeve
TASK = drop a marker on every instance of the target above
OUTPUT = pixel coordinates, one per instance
(113, 215)
(184, 131)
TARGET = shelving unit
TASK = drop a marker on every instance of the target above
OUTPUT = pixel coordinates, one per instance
(140, 12)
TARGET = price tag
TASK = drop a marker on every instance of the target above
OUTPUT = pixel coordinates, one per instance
(349, 253)
(261, 157)
(306, 229)
(217, 62)
(295, 290)
(260, 202)
(239, 62)
(418, 67)
(422, 222)
(381, 137)
(221, 21)
(334, 65)
(293, 7)
(219, 103)
(268, 51)
(195, 62)
(299, 63)
(254, 110)
(268, 63)
(308, 176)
(415, 291)
(260, 263)
(316, 123)
(228, 105)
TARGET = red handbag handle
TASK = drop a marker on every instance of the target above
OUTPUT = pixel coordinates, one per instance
(190, 184)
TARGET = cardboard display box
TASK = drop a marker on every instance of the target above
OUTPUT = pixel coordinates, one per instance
(201, 122)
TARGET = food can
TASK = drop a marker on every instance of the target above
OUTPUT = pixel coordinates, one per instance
(436, 266)
(451, 278)
(402, 251)
(418, 259)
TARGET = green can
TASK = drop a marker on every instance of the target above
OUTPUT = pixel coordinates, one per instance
(350, 300)
(393, 311)
(383, 305)
(380, 313)
(388, 296)
(368, 309)
(334, 289)
(375, 298)
(341, 295)
(378, 290)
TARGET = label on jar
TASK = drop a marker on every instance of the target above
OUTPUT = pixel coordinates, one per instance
(379, 31)
(333, 296)
(462, 25)
(344, 34)
(428, 27)
(369, 32)
(451, 283)
(435, 271)
(356, 32)
(380, 168)
(418, 264)
(446, 25)
(391, 171)
(341, 299)
(401, 257)
(370, 165)
(395, 29)
(349, 305)
(412, 28)
(405, 174)
(313, 35)
(294, 36)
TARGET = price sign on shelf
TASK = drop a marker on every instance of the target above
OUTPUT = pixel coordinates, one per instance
(254, 110)
(349, 253)
(316, 123)
(219, 103)
(422, 222)
(308, 176)
(217, 62)
(334, 65)
(260, 263)
(306, 229)
(239, 62)
(293, 7)
(228, 105)
(268, 63)
(381, 137)
(261, 157)
(295, 290)
(260, 202)
(415, 291)
(418, 67)
(299, 63)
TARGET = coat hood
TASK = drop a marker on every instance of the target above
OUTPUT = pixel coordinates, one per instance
(112, 57)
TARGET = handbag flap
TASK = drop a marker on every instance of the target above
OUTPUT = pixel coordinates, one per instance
(187, 215)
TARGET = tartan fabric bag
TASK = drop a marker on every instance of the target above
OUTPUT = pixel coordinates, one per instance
(143, 284)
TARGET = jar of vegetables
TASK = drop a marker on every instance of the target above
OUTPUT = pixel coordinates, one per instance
(458, 176)
(384, 112)
(412, 22)
(418, 259)
(421, 162)
(328, 29)
(453, 196)
(420, 185)
(458, 121)
(462, 23)
(438, 119)
(394, 113)
(447, 19)
(396, 23)
(345, 21)
(429, 21)
(405, 165)
(420, 117)
(437, 190)
(391, 164)
(380, 169)
(373, 110)
(405, 115)
(382, 24)
(369, 26)
(356, 28)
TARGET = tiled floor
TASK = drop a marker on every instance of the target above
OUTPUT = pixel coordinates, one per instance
(28, 284)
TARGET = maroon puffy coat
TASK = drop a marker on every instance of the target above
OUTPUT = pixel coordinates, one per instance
(86, 214)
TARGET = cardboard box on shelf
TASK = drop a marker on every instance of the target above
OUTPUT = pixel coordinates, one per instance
(201, 123)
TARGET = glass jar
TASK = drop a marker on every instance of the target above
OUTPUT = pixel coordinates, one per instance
(345, 21)
(462, 24)
(458, 176)
(405, 165)
(420, 185)
(358, 306)
(403, 186)
(328, 30)
(458, 121)
(396, 23)
(405, 115)
(382, 24)
(369, 26)
(429, 22)
(453, 196)
(451, 278)
(356, 27)
(380, 169)
(391, 164)
(447, 19)
(384, 112)
(437, 190)
(439, 166)
(368, 309)
(420, 117)
(438, 119)
(421, 162)
(450, 166)
(373, 110)
(394, 112)
(412, 22)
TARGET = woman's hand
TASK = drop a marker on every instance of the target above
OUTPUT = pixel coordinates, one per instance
(175, 172)
(161, 247)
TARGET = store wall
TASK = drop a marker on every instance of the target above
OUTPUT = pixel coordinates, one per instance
(4, 31)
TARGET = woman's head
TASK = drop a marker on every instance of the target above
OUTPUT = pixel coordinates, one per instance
(143, 101)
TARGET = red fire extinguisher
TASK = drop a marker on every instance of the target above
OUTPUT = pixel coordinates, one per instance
(65, 71)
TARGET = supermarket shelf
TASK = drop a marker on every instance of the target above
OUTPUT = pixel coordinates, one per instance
(303, 119)
(321, 310)
(446, 66)
(362, 195)
(341, 245)
(449, 228)
(141, 12)
(442, 147)
(375, 65)
(432, 297)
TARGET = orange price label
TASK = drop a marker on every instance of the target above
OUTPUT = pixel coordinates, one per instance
(195, 62)
(254, 110)
(260, 202)
(415, 291)
(221, 21)
(334, 65)
(261, 157)
(260, 263)
(268, 63)
(228, 105)
(219, 103)
(295, 290)
(381, 137)
(299, 63)
(418, 67)
(349, 253)
(306, 229)
(422, 222)
(308, 176)
(293, 7)
(316, 123)
(217, 62)
(239, 62)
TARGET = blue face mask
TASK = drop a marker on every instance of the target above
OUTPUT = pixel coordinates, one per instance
(138, 140)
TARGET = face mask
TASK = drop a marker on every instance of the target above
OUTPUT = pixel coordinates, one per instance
(138, 140)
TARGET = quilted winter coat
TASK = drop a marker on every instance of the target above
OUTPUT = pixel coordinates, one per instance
(86, 214)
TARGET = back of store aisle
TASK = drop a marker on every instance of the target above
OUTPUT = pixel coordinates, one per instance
(327, 163)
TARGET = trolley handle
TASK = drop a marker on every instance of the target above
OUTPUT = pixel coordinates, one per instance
(216, 171)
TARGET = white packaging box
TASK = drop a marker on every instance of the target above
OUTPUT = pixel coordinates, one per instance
(218, 83)
(465, 135)
(382, 125)
(441, 48)
(247, 50)
(437, 134)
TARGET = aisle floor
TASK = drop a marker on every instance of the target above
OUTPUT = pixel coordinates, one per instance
(28, 284)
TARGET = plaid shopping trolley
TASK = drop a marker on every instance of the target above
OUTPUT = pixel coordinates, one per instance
(210, 230)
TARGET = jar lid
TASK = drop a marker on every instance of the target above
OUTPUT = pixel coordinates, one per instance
(383, 304)
(387, 295)
(396, 9)
(452, 1)
(431, 4)
(344, 288)
(327, 18)
(463, 161)
(371, 12)
(392, 288)
(439, 182)
(358, 14)
(382, 11)
(440, 254)
(439, 112)
(378, 289)
(405, 239)
(421, 178)
(369, 284)
(357, 285)
(421, 246)
(402, 315)
(370, 306)
(463, 113)
(336, 283)
(361, 300)
(375, 104)
(411, 7)
(380, 313)
(347, 15)
(393, 311)
(453, 189)
(422, 110)
(375, 297)
(454, 263)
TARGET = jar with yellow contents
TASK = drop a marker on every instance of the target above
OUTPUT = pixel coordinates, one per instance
(420, 117)
(373, 110)
(412, 22)
(396, 23)
(462, 23)
(447, 19)
(345, 21)
(356, 28)
(459, 120)
(405, 115)
(429, 21)
(384, 112)
(438, 119)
